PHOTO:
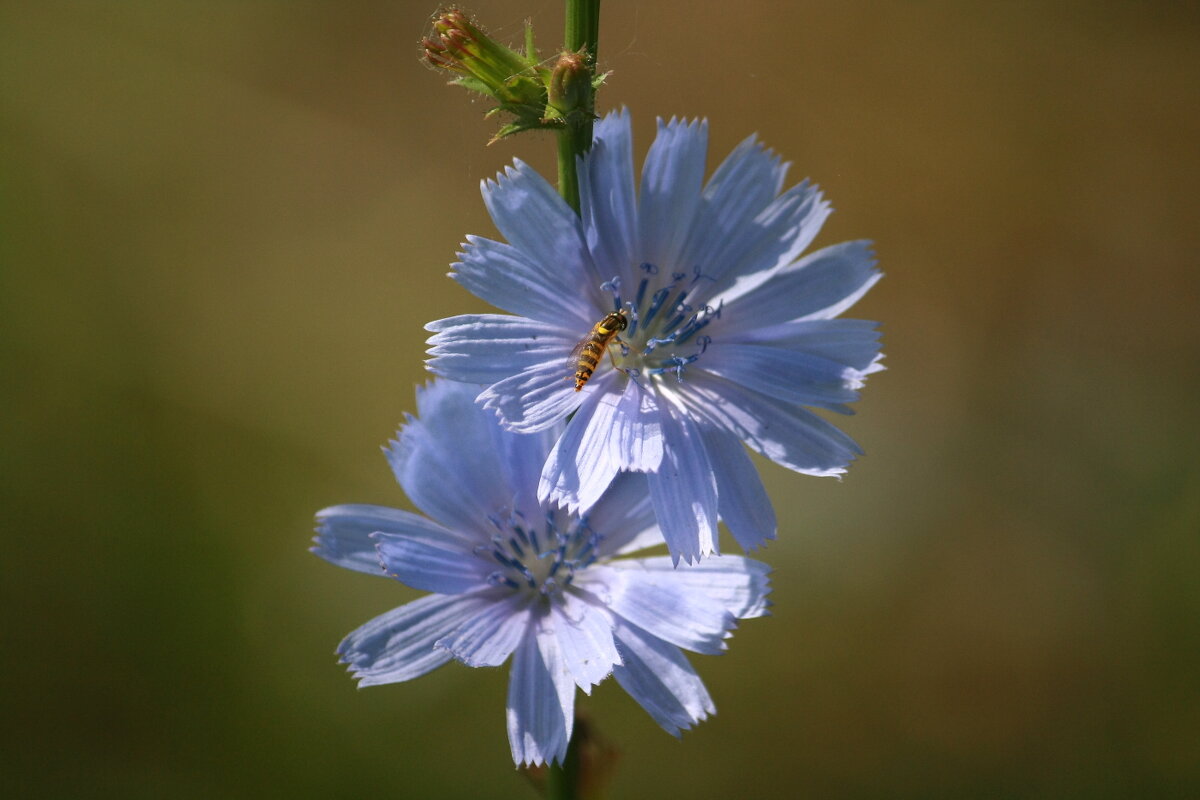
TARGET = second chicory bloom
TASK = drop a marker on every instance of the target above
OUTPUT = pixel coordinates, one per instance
(509, 575)
(730, 332)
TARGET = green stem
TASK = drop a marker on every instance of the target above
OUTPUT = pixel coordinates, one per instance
(568, 176)
(562, 781)
(582, 34)
(583, 25)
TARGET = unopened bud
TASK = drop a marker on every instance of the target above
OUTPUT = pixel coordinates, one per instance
(537, 97)
(570, 90)
(457, 44)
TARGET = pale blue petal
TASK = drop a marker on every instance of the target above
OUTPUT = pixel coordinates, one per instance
(745, 183)
(610, 432)
(819, 286)
(431, 567)
(853, 342)
(787, 434)
(655, 602)
(741, 498)
(577, 471)
(672, 177)
(634, 438)
(739, 190)
(485, 348)
(541, 702)
(523, 455)
(658, 676)
(607, 203)
(684, 491)
(503, 276)
(739, 585)
(774, 239)
(487, 639)
(585, 640)
(344, 534)
(624, 517)
(787, 375)
(536, 398)
(398, 646)
(534, 219)
(650, 536)
(446, 460)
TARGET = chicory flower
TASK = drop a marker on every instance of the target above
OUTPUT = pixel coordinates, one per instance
(509, 575)
(731, 335)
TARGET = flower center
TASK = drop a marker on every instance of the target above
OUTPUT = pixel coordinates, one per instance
(666, 323)
(539, 559)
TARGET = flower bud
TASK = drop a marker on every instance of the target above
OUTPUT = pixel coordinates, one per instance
(457, 44)
(517, 82)
(570, 90)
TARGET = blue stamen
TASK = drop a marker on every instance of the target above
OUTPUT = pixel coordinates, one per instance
(656, 303)
(678, 318)
(634, 318)
(654, 342)
(680, 308)
(680, 363)
(697, 275)
(588, 547)
(696, 323)
(613, 285)
(505, 561)
(675, 364)
(641, 293)
(690, 329)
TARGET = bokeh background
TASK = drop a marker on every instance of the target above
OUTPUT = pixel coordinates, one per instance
(223, 224)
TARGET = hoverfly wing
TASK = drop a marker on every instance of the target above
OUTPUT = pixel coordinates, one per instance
(572, 361)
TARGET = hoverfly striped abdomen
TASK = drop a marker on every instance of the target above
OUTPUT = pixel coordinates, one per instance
(591, 348)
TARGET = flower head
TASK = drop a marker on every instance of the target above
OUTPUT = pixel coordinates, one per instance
(509, 575)
(732, 334)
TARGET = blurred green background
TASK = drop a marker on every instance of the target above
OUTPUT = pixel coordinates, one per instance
(223, 225)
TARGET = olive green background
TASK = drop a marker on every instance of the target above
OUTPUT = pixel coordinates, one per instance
(223, 225)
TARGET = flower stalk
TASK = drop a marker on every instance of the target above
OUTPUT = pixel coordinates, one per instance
(575, 138)
(563, 780)
(586, 770)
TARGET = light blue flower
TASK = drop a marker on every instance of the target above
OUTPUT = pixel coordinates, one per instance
(731, 332)
(509, 575)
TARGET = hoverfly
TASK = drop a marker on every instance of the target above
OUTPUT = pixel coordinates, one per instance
(587, 354)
